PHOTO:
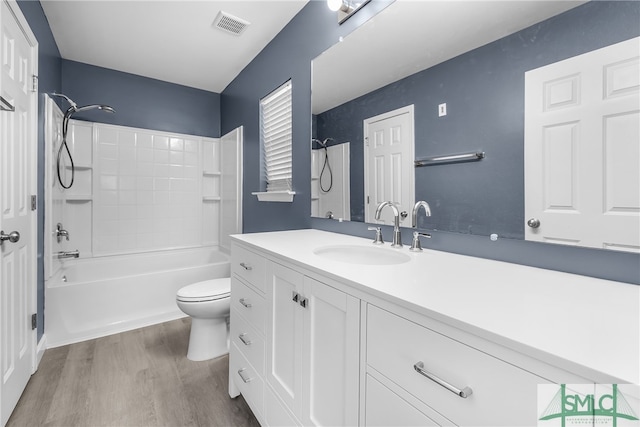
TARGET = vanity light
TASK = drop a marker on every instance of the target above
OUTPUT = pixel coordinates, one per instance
(342, 5)
(345, 8)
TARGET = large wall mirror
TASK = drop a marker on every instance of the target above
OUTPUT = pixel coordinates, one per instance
(465, 70)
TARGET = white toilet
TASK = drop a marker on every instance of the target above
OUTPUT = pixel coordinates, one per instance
(208, 304)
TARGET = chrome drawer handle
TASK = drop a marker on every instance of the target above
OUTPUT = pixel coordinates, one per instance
(245, 379)
(246, 267)
(245, 303)
(464, 393)
(244, 340)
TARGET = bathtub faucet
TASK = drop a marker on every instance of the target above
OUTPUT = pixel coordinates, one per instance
(70, 254)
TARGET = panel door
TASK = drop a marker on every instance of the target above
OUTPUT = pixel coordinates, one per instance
(389, 156)
(284, 331)
(17, 258)
(582, 149)
(331, 356)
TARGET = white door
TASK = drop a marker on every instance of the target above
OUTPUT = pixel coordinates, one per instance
(17, 175)
(230, 186)
(331, 374)
(582, 149)
(388, 168)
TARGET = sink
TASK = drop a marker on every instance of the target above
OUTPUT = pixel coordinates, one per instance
(367, 255)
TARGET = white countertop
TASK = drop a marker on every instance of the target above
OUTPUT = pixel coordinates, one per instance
(591, 322)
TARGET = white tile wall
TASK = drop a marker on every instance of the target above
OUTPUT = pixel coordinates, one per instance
(148, 192)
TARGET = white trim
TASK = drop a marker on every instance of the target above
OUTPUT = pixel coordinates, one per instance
(274, 196)
(42, 346)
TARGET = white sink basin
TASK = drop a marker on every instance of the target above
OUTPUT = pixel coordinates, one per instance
(368, 255)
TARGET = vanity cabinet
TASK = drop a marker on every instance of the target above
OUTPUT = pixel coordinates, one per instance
(247, 330)
(312, 362)
(324, 350)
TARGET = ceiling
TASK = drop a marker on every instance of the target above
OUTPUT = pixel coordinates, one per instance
(173, 41)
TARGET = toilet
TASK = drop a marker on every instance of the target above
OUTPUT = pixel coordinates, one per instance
(208, 304)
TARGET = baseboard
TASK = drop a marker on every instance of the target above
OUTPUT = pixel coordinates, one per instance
(42, 346)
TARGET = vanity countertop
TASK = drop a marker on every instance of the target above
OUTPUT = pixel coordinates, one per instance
(571, 320)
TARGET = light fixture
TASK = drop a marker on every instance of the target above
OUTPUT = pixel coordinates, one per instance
(345, 8)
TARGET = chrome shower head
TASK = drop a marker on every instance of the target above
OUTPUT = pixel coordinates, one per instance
(95, 106)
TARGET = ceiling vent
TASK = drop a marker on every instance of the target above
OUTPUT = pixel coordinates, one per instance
(229, 23)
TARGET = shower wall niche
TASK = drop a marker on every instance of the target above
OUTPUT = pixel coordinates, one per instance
(135, 190)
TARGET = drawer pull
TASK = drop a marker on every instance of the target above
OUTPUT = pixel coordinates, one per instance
(245, 266)
(245, 379)
(245, 303)
(464, 393)
(244, 340)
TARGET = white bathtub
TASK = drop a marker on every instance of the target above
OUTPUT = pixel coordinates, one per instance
(90, 298)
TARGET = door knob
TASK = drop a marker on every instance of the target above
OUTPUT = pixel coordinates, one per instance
(13, 237)
(533, 223)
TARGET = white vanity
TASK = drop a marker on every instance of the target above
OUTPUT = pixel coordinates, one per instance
(321, 337)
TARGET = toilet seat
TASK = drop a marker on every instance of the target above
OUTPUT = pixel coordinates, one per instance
(208, 290)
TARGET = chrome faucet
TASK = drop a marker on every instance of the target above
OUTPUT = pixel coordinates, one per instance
(69, 254)
(397, 237)
(60, 233)
(416, 208)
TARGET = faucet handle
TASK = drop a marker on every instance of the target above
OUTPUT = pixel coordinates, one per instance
(378, 239)
(415, 244)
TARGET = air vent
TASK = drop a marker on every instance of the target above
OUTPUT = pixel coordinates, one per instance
(229, 23)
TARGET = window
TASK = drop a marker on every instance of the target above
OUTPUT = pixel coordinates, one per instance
(276, 140)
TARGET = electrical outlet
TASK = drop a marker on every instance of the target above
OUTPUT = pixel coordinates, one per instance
(442, 110)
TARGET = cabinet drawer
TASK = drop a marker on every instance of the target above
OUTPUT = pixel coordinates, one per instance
(384, 408)
(247, 379)
(249, 342)
(248, 265)
(248, 303)
(502, 394)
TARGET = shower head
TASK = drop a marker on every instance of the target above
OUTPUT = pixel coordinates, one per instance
(106, 108)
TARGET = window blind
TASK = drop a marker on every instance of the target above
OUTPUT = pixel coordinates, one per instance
(276, 136)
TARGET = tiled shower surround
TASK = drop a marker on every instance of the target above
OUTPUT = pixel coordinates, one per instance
(138, 190)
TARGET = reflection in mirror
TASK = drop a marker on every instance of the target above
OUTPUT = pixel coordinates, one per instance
(472, 57)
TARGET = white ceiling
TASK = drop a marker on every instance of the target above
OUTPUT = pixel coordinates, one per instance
(174, 41)
(409, 36)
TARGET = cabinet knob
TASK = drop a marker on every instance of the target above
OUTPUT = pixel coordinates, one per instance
(244, 340)
(244, 302)
(13, 237)
(244, 377)
(245, 266)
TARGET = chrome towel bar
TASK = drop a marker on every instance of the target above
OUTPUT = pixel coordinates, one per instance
(452, 158)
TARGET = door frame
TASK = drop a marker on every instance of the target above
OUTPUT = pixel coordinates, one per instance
(32, 151)
(366, 123)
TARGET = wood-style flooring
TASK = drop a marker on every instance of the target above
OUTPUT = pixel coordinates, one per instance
(136, 378)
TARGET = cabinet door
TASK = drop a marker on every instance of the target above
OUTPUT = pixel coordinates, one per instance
(284, 332)
(330, 356)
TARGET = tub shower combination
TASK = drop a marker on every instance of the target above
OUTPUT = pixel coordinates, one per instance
(90, 298)
(128, 256)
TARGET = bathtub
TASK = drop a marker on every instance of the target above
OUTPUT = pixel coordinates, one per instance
(91, 298)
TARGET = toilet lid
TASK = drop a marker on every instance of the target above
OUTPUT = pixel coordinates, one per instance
(206, 291)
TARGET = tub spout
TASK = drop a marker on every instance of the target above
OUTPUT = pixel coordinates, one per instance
(69, 254)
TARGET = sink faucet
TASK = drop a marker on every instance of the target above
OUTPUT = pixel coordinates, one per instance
(70, 254)
(416, 208)
(397, 237)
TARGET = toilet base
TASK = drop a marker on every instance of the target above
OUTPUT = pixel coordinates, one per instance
(208, 339)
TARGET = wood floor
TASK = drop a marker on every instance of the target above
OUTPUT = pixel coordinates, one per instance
(136, 378)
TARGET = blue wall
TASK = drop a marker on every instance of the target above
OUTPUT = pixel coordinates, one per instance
(312, 31)
(288, 56)
(484, 93)
(140, 101)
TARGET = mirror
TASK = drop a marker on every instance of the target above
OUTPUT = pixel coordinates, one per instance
(461, 66)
